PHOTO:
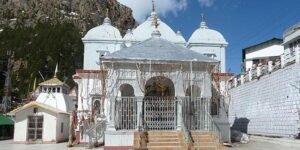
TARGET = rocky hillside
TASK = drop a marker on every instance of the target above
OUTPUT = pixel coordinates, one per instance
(41, 33)
(85, 14)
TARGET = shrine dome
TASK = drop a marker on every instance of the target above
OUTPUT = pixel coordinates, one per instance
(144, 30)
(104, 32)
(205, 35)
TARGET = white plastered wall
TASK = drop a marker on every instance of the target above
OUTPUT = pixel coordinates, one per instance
(49, 124)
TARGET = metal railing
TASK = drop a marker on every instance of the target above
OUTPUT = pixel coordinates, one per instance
(187, 137)
(95, 132)
(159, 113)
(212, 130)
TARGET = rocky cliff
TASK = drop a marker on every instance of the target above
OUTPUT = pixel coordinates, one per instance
(41, 33)
(85, 14)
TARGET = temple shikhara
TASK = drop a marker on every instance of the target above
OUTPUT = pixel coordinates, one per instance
(150, 81)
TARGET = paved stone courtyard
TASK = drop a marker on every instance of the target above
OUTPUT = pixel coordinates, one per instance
(9, 145)
(256, 143)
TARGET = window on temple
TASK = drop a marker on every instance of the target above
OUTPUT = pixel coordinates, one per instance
(35, 110)
(62, 127)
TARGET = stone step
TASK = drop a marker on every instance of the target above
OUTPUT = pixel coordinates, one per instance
(163, 140)
(163, 133)
(203, 139)
(206, 148)
(206, 144)
(165, 147)
(170, 144)
(200, 133)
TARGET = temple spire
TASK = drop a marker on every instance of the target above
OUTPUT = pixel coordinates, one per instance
(153, 6)
(56, 70)
(156, 24)
(203, 23)
(107, 12)
(107, 21)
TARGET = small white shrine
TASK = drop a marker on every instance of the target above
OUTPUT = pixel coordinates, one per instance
(46, 119)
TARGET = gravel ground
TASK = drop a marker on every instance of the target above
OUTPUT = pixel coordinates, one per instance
(265, 143)
(256, 143)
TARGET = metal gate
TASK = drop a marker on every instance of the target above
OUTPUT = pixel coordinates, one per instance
(160, 113)
(126, 115)
(194, 110)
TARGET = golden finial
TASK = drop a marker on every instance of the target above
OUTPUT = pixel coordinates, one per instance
(156, 24)
(107, 12)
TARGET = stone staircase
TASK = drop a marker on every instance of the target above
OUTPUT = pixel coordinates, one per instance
(205, 140)
(174, 140)
(161, 140)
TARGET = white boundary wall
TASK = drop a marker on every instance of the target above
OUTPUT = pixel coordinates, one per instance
(272, 103)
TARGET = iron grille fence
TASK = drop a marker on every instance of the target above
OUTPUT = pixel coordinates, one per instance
(193, 112)
(126, 113)
(161, 113)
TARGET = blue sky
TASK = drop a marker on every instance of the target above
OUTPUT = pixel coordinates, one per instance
(242, 22)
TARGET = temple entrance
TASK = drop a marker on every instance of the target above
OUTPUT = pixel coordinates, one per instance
(35, 128)
(159, 104)
(126, 108)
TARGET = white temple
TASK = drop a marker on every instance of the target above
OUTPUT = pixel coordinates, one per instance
(106, 38)
(47, 118)
(151, 77)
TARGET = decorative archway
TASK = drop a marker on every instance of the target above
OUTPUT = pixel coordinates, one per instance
(126, 108)
(193, 91)
(126, 90)
(159, 104)
(159, 86)
(97, 107)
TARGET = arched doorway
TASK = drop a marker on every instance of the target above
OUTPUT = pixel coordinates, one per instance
(193, 91)
(97, 107)
(159, 104)
(159, 87)
(126, 108)
(126, 90)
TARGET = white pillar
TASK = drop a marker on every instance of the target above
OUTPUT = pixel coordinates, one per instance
(282, 60)
(179, 114)
(258, 71)
(250, 75)
(235, 82)
(242, 79)
(139, 112)
(297, 54)
(270, 66)
(111, 117)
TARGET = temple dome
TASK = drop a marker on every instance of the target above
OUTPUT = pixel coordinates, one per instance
(129, 36)
(103, 32)
(179, 38)
(144, 30)
(206, 35)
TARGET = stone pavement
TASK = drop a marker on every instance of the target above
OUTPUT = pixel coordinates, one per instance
(256, 143)
(265, 143)
(9, 145)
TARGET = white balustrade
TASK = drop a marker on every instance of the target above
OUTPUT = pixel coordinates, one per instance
(242, 79)
(258, 71)
(270, 66)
